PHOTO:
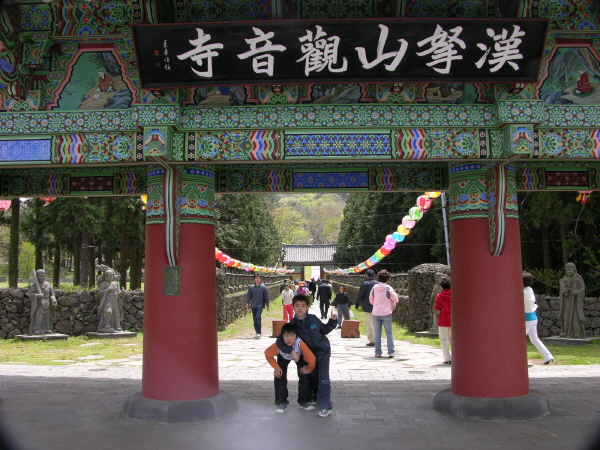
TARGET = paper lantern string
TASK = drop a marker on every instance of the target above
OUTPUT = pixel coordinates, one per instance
(248, 267)
(415, 214)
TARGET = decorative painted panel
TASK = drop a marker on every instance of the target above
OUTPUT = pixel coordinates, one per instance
(468, 197)
(531, 178)
(570, 143)
(567, 179)
(331, 180)
(91, 184)
(197, 196)
(253, 180)
(25, 150)
(350, 116)
(337, 145)
(155, 208)
(440, 143)
(260, 145)
(156, 141)
(129, 183)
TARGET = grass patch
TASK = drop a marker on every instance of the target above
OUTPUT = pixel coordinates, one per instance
(66, 352)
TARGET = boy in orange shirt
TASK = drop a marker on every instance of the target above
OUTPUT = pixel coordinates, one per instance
(305, 363)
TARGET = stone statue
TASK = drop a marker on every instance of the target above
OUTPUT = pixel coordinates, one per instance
(111, 301)
(432, 312)
(43, 303)
(572, 293)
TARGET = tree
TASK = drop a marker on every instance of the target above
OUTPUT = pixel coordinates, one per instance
(13, 251)
(245, 230)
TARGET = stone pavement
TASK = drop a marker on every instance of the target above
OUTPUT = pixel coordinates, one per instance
(378, 403)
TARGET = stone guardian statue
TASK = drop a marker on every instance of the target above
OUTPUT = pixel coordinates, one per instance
(111, 301)
(432, 312)
(572, 294)
(43, 304)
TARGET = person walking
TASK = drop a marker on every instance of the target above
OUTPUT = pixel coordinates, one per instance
(257, 298)
(384, 300)
(286, 299)
(531, 319)
(362, 299)
(342, 302)
(443, 304)
(324, 294)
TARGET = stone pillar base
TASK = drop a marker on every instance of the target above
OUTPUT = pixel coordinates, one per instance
(531, 406)
(161, 411)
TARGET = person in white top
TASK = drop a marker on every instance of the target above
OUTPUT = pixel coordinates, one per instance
(531, 319)
(286, 298)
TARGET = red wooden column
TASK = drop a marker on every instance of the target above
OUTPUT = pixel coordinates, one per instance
(180, 366)
(489, 360)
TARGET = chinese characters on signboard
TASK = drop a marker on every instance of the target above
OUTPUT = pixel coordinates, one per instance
(276, 52)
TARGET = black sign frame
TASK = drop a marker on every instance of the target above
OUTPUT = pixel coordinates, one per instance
(410, 50)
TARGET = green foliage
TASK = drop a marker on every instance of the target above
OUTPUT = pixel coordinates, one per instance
(245, 230)
(548, 277)
(370, 217)
(26, 260)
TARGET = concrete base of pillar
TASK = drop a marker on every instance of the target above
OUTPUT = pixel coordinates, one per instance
(148, 410)
(531, 406)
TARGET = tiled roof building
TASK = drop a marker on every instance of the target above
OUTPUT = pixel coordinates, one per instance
(308, 254)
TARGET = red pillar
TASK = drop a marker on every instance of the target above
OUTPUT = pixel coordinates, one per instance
(180, 331)
(489, 358)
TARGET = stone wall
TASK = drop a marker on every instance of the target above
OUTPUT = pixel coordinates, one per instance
(77, 312)
(231, 295)
(549, 308)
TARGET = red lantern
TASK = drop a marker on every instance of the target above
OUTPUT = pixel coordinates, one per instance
(424, 202)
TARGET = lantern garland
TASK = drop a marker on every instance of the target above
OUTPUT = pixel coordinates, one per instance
(248, 267)
(415, 214)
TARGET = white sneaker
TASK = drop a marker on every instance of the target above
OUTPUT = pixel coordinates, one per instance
(306, 406)
(281, 408)
(324, 412)
(257, 336)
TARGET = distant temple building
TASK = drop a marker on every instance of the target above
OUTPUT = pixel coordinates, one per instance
(308, 261)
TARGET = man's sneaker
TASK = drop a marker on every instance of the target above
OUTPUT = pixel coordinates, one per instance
(306, 406)
(312, 402)
(324, 412)
(257, 336)
(281, 408)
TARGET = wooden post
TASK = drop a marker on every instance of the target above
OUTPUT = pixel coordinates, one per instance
(277, 324)
(350, 329)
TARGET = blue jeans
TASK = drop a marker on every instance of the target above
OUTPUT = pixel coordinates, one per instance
(257, 316)
(386, 321)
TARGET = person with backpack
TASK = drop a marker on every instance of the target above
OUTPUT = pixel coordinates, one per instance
(384, 300)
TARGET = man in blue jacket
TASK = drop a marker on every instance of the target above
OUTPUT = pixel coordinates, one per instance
(257, 298)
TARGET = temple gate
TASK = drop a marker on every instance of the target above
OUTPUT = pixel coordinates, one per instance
(76, 120)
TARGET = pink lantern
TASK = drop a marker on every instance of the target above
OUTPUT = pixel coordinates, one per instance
(408, 223)
(389, 238)
(4, 205)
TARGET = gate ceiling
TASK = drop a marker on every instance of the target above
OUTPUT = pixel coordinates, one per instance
(75, 120)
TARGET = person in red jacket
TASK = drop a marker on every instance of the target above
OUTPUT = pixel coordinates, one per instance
(442, 304)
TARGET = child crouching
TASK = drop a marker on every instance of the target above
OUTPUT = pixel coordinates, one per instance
(305, 364)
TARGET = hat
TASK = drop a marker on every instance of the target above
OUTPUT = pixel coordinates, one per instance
(370, 272)
(301, 283)
(341, 286)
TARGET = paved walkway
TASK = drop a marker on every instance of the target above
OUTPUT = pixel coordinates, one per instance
(378, 404)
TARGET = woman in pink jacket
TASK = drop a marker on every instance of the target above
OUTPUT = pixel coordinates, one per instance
(384, 299)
